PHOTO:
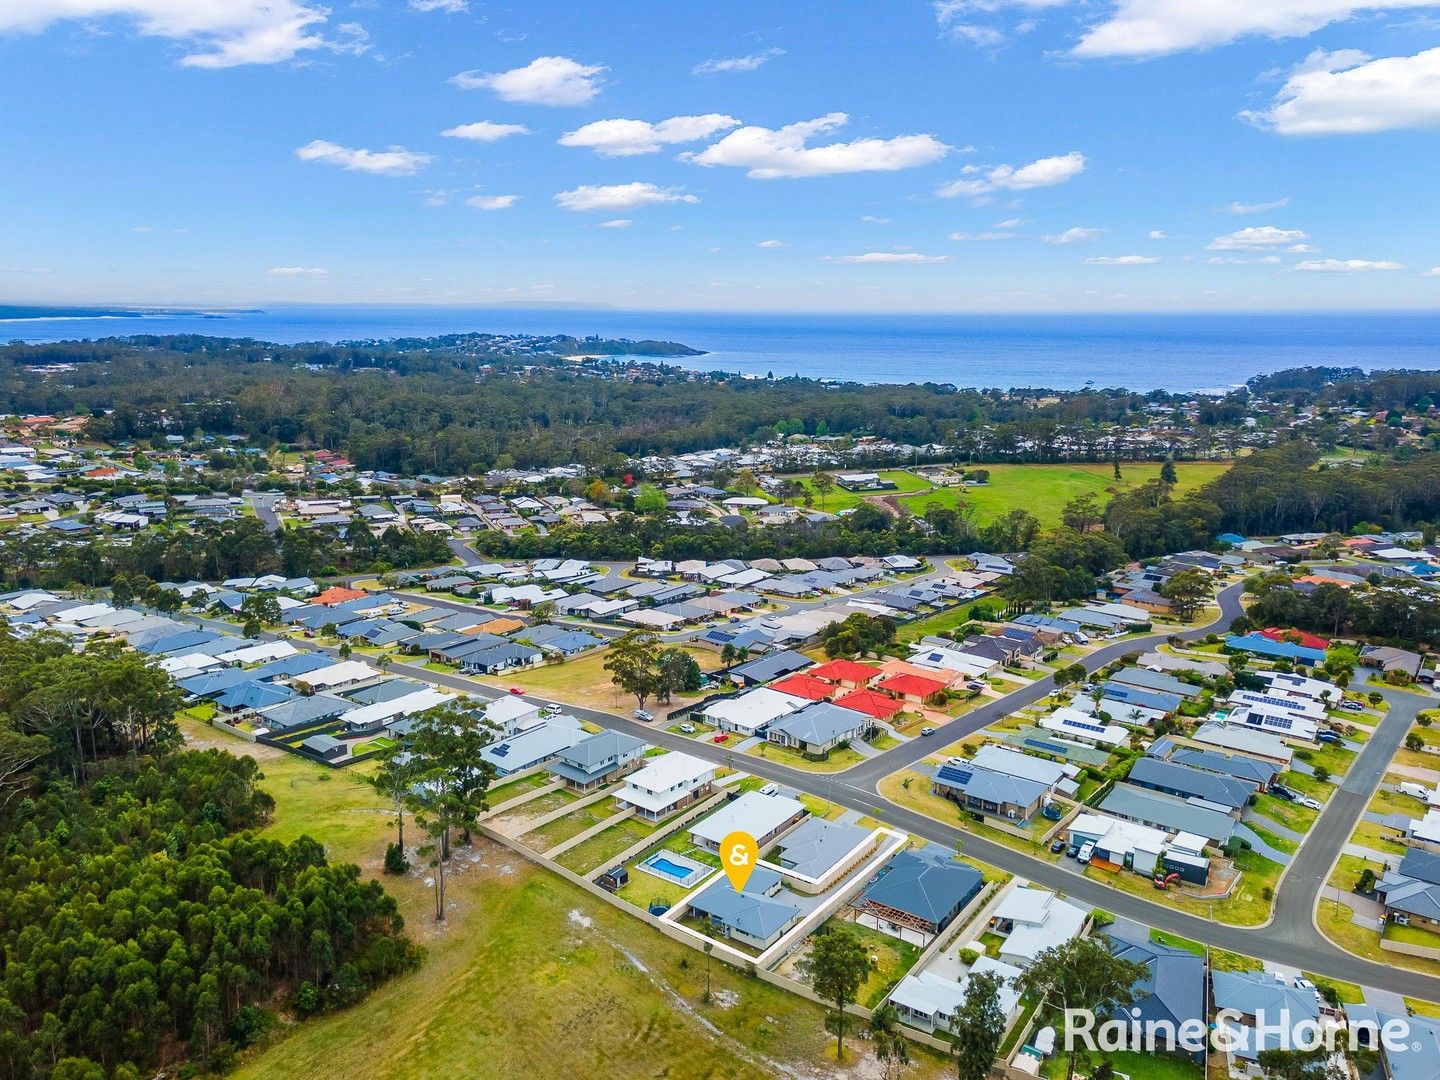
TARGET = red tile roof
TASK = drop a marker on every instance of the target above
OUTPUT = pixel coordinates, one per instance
(910, 686)
(1299, 637)
(871, 703)
(338, 594)
(806, 686)
(844, 671)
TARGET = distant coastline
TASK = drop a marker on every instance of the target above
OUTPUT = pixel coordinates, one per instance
(1065, 352)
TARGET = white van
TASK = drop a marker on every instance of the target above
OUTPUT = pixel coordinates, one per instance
(1415, 791)
(1085, 852)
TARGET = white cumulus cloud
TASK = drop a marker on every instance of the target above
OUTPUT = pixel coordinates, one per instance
(1157, 234)
(773, 153)
(619, 197)
(1144, 28)
(1345, 266)
(449, 7)
(219, 33)
(1347, 93)
(616, 223)
(912, 257)
(736, 63)
(1232, 260)
(772, 244)
(1257, 238)
(1044, 172)
(484, 131)
(546, 80)
(957, 18)
(1122, 260)
(626, 138)
(1077, 235)
(395, 161)
(1434, 271)
(492, 202)
(298, 271)
(982, 236)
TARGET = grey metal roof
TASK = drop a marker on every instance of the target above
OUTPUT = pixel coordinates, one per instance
(821, 723)
(1173, 988)
(817, 845)
(1168, 812)
(1173, 777)
(931, 887)
(750, 912)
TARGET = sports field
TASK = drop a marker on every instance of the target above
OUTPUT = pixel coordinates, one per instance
(1045, 489)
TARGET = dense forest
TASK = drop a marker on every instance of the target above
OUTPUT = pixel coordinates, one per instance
(436, 410)
(1280, 490)
(213, 551)
(141, 921)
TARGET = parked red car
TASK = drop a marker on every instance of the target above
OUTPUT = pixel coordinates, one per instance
(516, 690)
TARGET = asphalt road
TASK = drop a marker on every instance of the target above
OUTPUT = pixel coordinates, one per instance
(1291, 938)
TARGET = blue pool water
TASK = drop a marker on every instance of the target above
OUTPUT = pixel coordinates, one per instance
(665, 866)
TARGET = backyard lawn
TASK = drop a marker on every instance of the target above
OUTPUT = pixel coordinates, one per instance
(1044, 490)
(559, 960)
(840, 499)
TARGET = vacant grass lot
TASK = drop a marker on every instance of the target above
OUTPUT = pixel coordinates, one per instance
(585, 681)
(1044, 490)
(524, 964)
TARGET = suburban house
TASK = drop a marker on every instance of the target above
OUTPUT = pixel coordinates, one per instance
(765, 817)
(1388, 659)
(752, 712)
(1168, 812)
(1263, 1003)
(1033, 920)
(534, 746)
(927, 1000)
(1078, 725)
(1411, 892)
(601, 758)
(917, 894)
(770, 666)
(1256, 773)
(845, 673)
(871, 703)
(1172, 990)
(1172, 778)
(995, 793)
(817, 847)
(512, 713)
(1245, 740)
(757, 916)
(819, 728)
(914, 690)
(1415, 1056)
(666, 784)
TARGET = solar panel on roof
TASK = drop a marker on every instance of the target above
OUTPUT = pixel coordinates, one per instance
(1099, 729)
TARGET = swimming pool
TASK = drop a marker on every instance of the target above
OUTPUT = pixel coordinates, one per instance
(675, 867)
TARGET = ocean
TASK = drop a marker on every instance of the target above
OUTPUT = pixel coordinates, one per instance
(1063, 352)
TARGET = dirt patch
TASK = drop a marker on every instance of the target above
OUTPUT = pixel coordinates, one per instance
(202, 736)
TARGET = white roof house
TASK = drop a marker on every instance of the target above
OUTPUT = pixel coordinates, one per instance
(749, 713)
(1244, 740)
(762, 816)
(190, 663)
(943, 659)
(1285, 724)
(1118, 837)
(340, 674)
(665, 782)
(928, 1000)
(1305, 707)
(535, 746)
(406, 705)
(1124, 612)
(1040, 920)
(1287, 684)
(1077, 725)
(259, 653)
(512, 713)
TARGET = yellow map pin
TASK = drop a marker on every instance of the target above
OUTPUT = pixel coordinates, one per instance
(738, 854)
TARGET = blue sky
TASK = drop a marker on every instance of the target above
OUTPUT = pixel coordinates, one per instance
(968, 155)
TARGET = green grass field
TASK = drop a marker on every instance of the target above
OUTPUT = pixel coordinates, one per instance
(524, 963)
(1045, 489)
(840, 499)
